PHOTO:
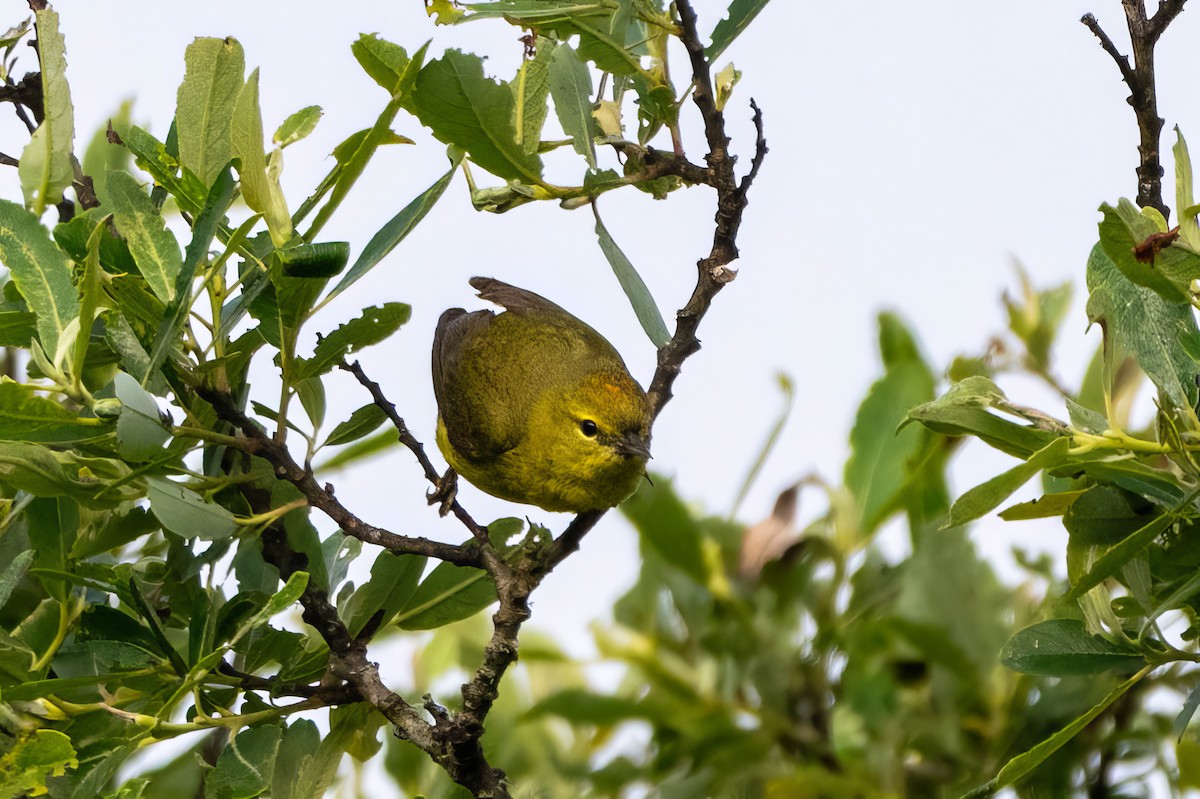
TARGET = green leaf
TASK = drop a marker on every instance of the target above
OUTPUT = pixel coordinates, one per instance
(1111, 561)
(183, 512)
(45, 169)
(205, 104)
(1106, 514)
(391, 587)
(741, 13)
(362, 422)
(246, 764)
(40, 271)
(396, 229)
(353, 154)
(1047, 506)
(1064, 647)
(373, 326)
(580, 706)
(664, 523)
(13, 573)
(103, 156)
(25, 416)
(312, 397)
(300, 743)
(962, 411)
(571, 88)
(323, 259)
(385, 62)
(1022, 764)
(259, 174)
(152, 244)
(359, 450)
(203, 231)
(987, 496)
(35, 756)
(450, 593)
(634, 287)
(1141, 323)
(298, 126)
(1189, 232)
(151, 155)
(1170, 273)
(881, 457)
(140, 430)
(32, 468)
(461, 106)
(530, 89)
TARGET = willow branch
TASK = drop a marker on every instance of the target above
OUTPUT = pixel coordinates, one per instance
(258, 442)
(1139, 77)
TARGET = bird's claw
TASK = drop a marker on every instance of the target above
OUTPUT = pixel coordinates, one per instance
(444, 492)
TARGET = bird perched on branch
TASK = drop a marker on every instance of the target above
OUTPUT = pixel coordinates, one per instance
(535, 406)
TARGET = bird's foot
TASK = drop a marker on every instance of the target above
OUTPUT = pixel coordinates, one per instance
(444, 492)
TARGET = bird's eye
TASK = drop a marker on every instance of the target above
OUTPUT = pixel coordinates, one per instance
(588, 428)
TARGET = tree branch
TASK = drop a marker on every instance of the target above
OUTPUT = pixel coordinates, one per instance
(414, 446)
(258, 442)
(1143, 35)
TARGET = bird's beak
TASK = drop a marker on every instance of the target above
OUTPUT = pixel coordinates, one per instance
(631, 445)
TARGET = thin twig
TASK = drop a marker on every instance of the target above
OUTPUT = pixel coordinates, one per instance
(258, 442)
(414, 446)
(1143, 34)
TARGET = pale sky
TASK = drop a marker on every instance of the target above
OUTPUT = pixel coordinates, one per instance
(915, 151)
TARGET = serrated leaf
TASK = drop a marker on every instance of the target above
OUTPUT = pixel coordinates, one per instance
(461, 106)
(185, 513)
(373, 326)
(396, 228)
(215, 72)
(40, 271)
(45, 169)
(571, 88)
(152, 244)
(25, 416)
(259, 174)
(634, 287)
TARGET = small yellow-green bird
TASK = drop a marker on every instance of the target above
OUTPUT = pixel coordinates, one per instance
(535, 406)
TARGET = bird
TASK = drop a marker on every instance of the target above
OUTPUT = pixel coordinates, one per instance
(535, 406)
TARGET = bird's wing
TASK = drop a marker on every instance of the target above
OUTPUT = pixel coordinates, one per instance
(473, 424)
(512, 298)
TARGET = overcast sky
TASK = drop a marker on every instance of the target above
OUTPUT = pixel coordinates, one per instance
(916, 150)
